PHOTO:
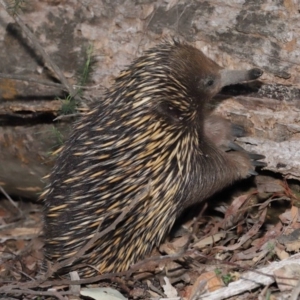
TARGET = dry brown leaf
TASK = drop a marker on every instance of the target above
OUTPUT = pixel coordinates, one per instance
(3, 213)
(137, 293)
(281, 253)
(175, 272)
(171, 3)
(175, 246)
(294, 214)
(169, 289)
(206, 282)
(251, 280)
(147, 10)
(245, 255)
(210, 240)
(234, 213)
(291, 241)
(288, 216)
(255, 228)
(287, 276)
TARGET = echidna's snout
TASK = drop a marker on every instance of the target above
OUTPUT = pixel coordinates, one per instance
(229, 77)
(255, 73)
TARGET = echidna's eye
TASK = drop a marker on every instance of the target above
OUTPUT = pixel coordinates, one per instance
(206, 83)
(210, 82)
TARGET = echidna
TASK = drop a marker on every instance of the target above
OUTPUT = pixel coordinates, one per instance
(147, 133)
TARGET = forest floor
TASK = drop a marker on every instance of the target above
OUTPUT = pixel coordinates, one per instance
(240, 242)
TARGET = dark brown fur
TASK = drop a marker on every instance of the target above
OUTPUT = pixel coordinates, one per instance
(147, 131)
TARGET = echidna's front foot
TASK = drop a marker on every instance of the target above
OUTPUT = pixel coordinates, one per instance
(256, 162)
(255, 159)
(223, 134)
(244, 162)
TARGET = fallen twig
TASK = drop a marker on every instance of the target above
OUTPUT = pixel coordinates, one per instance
(35, 80)
(251, 280)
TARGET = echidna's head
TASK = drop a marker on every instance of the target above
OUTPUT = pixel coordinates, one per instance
(176, 79)
(199, 75)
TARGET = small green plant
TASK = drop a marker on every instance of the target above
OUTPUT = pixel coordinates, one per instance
(69, 104)
(15, 6)
(271, 246)
(227, 278)
(59, 137)
(268, 295)
(58, 140)
(86, 72)
(218, 272)
(271, 250)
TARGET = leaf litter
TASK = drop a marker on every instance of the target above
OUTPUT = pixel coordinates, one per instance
(209, 254)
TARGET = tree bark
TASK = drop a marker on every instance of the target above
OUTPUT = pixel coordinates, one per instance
(236, 34)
